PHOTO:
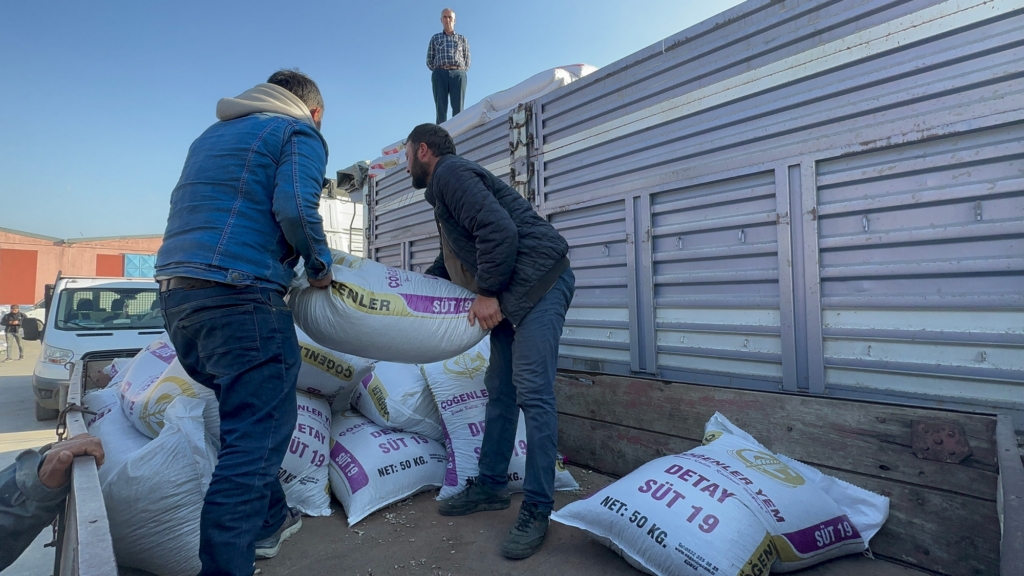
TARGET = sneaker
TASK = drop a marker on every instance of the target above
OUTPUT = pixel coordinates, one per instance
(475, 498)
(525, 538)
(269, 547)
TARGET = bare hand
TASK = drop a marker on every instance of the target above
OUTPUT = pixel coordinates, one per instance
(56, 469)
(487, 311)
(323, 282)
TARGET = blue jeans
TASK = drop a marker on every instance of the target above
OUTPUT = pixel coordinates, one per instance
(448, 85)
(521, 375)
(240, 342)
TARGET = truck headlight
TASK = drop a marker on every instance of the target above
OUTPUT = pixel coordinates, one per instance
(54, 355)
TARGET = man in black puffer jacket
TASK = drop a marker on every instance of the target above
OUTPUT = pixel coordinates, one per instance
(494, 244)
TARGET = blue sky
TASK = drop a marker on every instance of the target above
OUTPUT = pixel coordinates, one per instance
(103, 99)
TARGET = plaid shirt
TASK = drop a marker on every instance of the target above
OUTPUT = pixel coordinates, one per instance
(448, 51)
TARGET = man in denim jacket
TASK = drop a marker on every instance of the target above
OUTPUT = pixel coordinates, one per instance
(243, 212)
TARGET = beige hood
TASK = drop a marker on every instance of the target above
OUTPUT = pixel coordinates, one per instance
(266, 98)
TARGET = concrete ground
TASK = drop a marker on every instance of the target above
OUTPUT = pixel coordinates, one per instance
(19, 431)
(411, 538)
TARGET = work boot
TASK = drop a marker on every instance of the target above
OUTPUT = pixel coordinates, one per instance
(475, 498)
(528, 534)
(269, 547)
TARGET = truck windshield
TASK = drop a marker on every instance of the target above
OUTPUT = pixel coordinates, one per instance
(102, 308)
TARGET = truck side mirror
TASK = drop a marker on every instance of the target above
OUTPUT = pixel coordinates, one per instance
(33, 329)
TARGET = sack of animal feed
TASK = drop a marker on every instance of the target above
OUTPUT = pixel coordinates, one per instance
(154, 499)
(730, 507)
(383, 313)
(328, 373)
(372, 467)
(117, 433)
(396, 396)
(145, 396)
(303, 473)
(457, 385)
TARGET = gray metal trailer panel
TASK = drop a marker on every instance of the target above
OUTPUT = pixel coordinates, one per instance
(809, 196)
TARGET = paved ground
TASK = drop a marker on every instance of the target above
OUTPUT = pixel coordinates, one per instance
(411, 539)
(19, 431)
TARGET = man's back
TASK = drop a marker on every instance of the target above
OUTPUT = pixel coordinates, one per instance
(238, 190)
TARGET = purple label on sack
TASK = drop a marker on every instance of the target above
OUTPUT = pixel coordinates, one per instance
(349, 467)
(164, 352)
(366, 381)
(451, 473)
(444, 306)
(823, 535)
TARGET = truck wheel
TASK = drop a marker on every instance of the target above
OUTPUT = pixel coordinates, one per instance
(45, 413)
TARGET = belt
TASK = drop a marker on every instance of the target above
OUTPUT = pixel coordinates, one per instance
(450, 68)
(187, 283)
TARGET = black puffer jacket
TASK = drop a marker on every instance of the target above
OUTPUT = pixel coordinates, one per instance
(496, 234)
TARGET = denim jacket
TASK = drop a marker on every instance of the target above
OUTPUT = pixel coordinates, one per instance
(246, 206)
(26, 506)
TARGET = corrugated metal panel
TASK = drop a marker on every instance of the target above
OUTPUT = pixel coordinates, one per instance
(814, 92)
(597, 327)
(343, 224)
(811, 195)
(752, 147)
(922, 268)
(716, 288)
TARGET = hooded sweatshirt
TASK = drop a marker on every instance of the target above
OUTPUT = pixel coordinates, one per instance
(265, 98)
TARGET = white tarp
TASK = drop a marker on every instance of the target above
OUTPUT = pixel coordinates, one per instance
(497, 105)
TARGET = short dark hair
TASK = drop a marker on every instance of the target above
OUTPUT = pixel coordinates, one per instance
(299, 84)
(437, 139)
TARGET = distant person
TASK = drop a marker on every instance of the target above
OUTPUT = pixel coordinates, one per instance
(494, 244)
(32, 491)
(243, 212)
(14, 328)
(448, 60)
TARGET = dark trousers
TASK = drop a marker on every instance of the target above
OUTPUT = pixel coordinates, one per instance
(241, 343)
(521, 375)
(448, 85)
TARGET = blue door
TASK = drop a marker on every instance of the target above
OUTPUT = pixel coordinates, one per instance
(139, 265)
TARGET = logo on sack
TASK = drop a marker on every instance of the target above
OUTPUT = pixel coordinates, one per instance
(155, 403)
(711, 437)
(466, 365)
(770, 466)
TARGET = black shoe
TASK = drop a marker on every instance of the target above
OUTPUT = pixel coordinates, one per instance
(269, 547)
(526, 537)
(475, 498)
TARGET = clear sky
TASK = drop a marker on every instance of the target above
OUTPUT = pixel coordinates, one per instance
(102, 99)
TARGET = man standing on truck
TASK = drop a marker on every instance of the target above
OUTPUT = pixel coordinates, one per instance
(242, 213)
(13, 323)
(448, 60)
(494, 244)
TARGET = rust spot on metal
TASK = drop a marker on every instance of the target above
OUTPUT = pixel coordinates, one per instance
(939, 441)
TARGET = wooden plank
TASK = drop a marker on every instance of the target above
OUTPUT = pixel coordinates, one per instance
(865, 438)
(1011, 498)
(939, 531)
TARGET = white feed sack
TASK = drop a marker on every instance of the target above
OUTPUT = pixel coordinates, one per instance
(330, 374)
(303, 473)
(117, 433)
(383, 313)
(457, 385)
(729, 507)
(155, 499)
(372, 467)
(146, 393)
(396, 396)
